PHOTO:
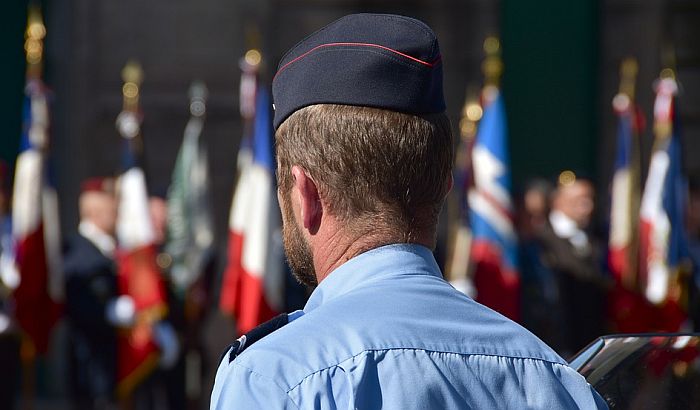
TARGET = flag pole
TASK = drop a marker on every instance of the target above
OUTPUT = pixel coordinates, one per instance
(492, 67)
(129, 127)
(624, 104)
(459, 236)
(628, 77)
(250, 66)
(34, 51)
(34, 42)
(198, 93)
(129, 121)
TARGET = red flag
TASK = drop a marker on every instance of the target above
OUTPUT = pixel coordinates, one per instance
(629, 311)
(139, 278)
(36, 311)
(138, 274)
(253, 283)
(624, 208)
(662, 236)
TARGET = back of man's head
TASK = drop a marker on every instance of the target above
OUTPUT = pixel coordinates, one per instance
(374, 167)
(359, 106)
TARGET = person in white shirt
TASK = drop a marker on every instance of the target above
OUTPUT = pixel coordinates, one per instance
(92, 305)
(567, 249)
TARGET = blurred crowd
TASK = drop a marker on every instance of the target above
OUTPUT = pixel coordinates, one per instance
(562, 286)
(97, 313)
(569, 296)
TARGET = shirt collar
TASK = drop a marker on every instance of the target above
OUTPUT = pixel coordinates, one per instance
(102, 240)
(382, 262)
(565, 227)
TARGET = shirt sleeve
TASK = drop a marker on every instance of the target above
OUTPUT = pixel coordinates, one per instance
(237, 387)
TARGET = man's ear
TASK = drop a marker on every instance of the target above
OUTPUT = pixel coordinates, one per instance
(309, 200)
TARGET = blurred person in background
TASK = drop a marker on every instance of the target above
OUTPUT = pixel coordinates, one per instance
(158, 208)
(164, 388)
(572, 254)
(93, 307)
(177, 383)
(539, 293)
(534, 207)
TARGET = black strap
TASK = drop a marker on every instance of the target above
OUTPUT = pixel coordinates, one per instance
(253, 336)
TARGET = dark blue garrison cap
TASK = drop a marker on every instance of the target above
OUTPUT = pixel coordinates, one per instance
(373, 60)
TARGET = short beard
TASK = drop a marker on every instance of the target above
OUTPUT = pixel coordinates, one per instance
(299, 256)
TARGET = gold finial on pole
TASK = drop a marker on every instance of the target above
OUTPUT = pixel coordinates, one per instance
(132, 75)
(566, 178)
(628, 76)
(668, 73)
(666, 89)
(668, 60)
(253, 57)
(628, 79)
(34, 41)
(250, 66)
(492, 66)
(129, 121)
(471, 114)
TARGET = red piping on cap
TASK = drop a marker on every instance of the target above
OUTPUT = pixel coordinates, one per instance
(425, 63)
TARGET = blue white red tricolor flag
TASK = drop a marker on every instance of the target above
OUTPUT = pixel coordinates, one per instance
(494, 241)
(35, 296)
(663, 245)
(252, 289)
(138, 275)
(624, 202)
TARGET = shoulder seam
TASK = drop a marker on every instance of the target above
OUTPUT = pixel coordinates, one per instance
(540, 359)
(274, 382)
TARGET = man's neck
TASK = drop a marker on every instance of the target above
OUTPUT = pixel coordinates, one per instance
(340, 245)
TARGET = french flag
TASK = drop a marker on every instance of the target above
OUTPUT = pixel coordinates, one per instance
(494, 241)
(629, 310)
(253, 284)
(36, 310)
(138, 275)
(624, 199)
(663, 244)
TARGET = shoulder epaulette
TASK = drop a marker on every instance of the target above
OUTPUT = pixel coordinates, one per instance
(248, 339)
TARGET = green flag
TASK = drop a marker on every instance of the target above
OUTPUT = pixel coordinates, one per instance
(190, 235)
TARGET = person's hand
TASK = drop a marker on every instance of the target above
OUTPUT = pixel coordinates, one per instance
(121, 311)
(165, 337)
(9, 275)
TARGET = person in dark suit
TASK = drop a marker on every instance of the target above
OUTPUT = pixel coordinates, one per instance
(93, 307)
(568, 250)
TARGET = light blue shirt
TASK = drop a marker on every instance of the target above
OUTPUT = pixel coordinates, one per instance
(384, 330)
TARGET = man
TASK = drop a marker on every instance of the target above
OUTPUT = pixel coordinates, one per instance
(578, 305)
(360, 190)
(91, 297)
(538, 288)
